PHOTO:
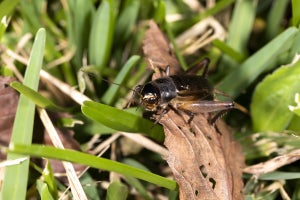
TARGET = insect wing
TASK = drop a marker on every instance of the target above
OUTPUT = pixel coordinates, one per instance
(191, 87)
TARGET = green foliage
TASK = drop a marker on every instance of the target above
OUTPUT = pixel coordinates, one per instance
(34, 96)
(92, 161)
(236, 81)
(117, 190)
(88, 41)
(121, 120)
(272, 96)
(101, 35)
(15, 181)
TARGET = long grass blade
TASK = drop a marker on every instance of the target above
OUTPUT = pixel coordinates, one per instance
(15, 180)
(92, 161)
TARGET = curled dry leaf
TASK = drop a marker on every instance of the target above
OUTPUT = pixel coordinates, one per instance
(159, 53)
(206, 162)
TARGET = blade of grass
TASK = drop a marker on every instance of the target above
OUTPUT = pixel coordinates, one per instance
(240, 78)
(241, 25)
(220, 5)
(135, 183)
(228, 50)
(296, 12)
(101, 36)
(43, 190)
(3, 25)
(239, 32)
(15, 180)
(126, 21)
(121, 120)
(117, 191)
(111, 93)
(278, 175)
(49, 179)
(32, 18)
(78, 27)
(7, 6)
(92, 161)
(34, 96)
(274, 19)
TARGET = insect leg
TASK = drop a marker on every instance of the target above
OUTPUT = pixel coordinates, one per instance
(135, 95)
(163, 112)
(217, 116)
(205, 106)
(203, 64)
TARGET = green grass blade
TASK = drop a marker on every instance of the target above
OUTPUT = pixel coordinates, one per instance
(278, 175)
(15, 180)
(121, 120)
(241, 25)
(43, 190)
(240, 78)
(34, 96)
(238, 33)
(275, 18)
(49, 179)
(117, 191)
(220, 5)
(112, 92)
(101, 36)
(135, 183)
(229, 51)
(126, 21)
(3, 26)
(78, 27)
(7, 6)
(296, 12)
(92, 161)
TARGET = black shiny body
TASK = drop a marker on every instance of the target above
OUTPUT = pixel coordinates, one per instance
(190, 93)
(162, 91)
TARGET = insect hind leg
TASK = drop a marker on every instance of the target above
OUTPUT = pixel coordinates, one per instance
(195, 69)
(195, 107)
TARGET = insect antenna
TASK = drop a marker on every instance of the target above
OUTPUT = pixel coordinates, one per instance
(93, 73)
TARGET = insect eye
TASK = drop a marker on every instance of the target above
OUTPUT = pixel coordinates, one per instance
(150, 99)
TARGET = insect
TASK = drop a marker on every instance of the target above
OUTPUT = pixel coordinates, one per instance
(187, 92)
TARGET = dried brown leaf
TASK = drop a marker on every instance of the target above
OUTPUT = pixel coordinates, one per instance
(158, 51)
(206, 162)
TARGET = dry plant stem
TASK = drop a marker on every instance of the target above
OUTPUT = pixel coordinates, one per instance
(105, 143)
(17, 161)
(199, 35)
(275, 186)
(147, 143)
(76, 188)
(66, 58)
(65, 88)
(273, 164)
(64, 195)
(9, 62)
